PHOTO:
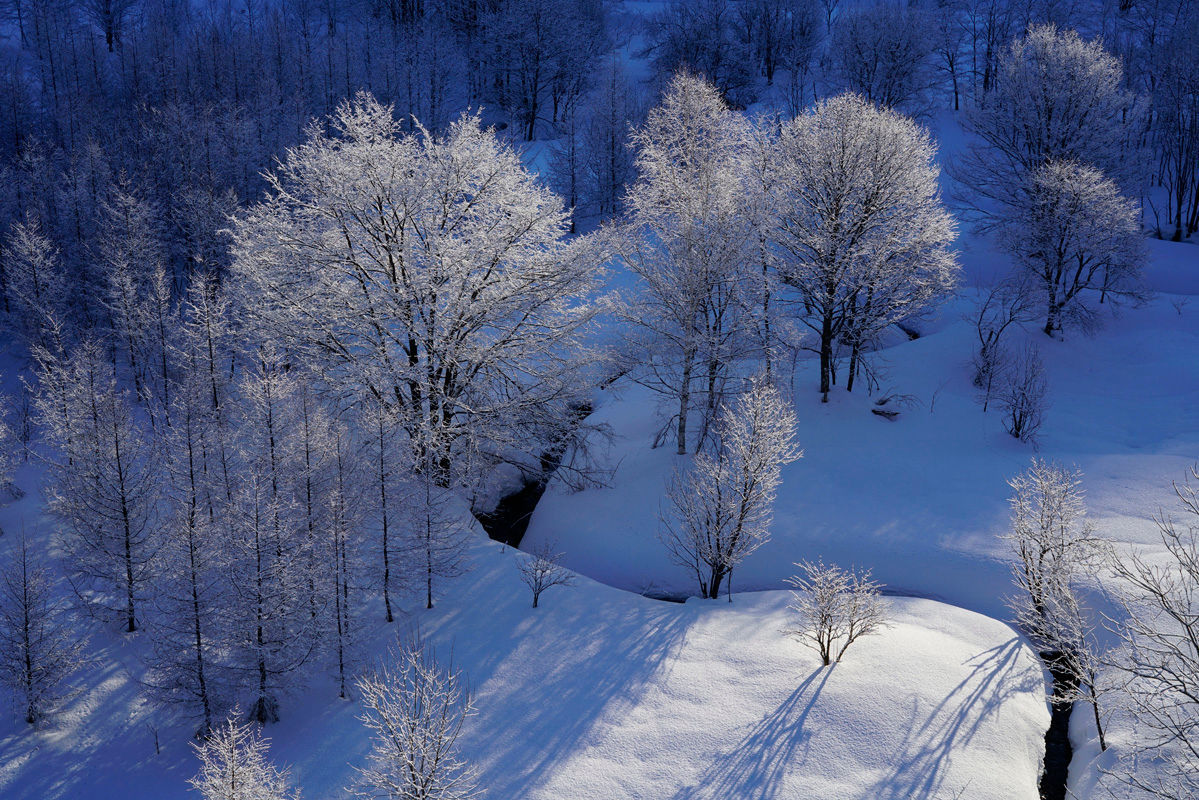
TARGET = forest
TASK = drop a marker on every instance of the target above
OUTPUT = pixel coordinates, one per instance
(393, 390)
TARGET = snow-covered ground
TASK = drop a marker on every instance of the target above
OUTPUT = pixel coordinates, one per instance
(604, 694)
(922, 500)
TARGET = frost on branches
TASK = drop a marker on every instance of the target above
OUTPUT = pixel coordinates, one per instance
(1076, 237)
(834, 608)
(234, 765)
(39, 648)
(685, 241)
(429, 273)
(1054, 548)
(720, 511)
(1158, 659)
(862, 233)
(416, 710)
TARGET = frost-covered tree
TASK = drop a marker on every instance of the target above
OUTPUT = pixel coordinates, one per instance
(234, 765)
(721, 509)
(386, 463)
(104, 478)
(543, 570)
(137, 297)
(192, 599)
(416, 708)
(9, 444)
(1158, 656)
(834, 608)
(884, 52)
(685, 241)
(437, 535)
(271, 567)
(39, 645)
(1054, 547)
(33, 281)
(345, 545)
(1057, 97)
(861, 233)
(1076, 237)
(426, 273)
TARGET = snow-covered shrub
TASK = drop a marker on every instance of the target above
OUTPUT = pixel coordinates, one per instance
(234, 765)
(416, 710)
(834, 607)
(543, 569)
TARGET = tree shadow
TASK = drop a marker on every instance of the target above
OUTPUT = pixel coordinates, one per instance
(595, 667)
(755, 767)
(931, 738)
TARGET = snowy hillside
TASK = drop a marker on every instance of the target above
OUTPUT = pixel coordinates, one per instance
(603, 694)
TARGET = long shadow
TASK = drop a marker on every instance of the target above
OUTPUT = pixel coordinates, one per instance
(755, 767)
(583, 674)
(929, 745)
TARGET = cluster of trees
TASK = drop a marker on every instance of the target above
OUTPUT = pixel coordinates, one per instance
(186, 106)
(919, 56)
(233, 470)
(742, 230)
(415, 707)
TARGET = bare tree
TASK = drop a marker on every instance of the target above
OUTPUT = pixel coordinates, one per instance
(1022, 394)
(234, 765)
(104, 480)
(1054, 548)
(722, 508)
(416, 710)
(39, 648)
(1158, 657)
(543, 569)
(1000, 307)
(835, 607)
(884, 53)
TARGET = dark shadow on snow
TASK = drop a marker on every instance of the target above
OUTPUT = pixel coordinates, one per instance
(756, 766)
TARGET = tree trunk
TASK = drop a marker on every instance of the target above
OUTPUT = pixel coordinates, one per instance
(684, 402)
(826, 357)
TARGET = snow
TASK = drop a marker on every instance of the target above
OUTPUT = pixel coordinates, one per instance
(604, 694)
(920, 500)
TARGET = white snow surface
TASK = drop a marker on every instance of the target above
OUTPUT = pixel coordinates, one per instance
(605, 694)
